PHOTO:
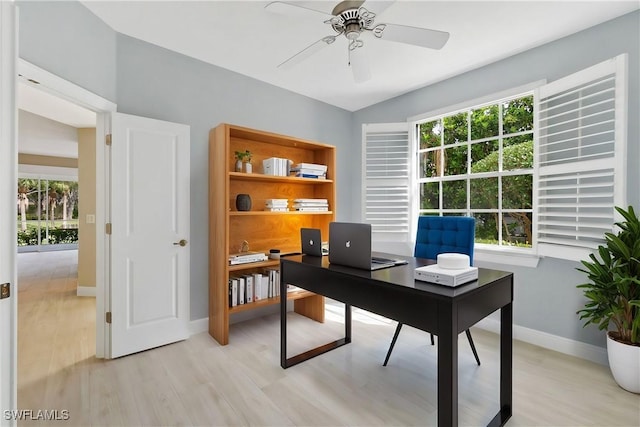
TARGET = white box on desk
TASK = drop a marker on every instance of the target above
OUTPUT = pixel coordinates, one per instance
(446, 277)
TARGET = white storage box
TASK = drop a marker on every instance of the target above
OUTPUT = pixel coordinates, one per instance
(444, 276)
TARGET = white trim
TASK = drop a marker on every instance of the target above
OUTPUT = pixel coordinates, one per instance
(61, 88)
(86, 291)
(198, 326)
(103, 302)
(60, 173)
(552, 342)
(491, 98)
(504, 255)
(8, 196)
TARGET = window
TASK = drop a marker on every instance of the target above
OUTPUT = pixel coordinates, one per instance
(540, 168)
(47, 212)
(479, 162)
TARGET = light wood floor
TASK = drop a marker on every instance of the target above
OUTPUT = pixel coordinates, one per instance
(198, 382)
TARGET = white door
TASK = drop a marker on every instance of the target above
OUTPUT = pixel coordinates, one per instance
(8, 197)
(149, 181)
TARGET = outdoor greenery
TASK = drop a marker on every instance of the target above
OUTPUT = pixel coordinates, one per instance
(469, 143)
(51, 205)
(613, 290)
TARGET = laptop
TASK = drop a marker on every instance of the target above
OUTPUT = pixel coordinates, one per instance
(350, 245)
(311, 241)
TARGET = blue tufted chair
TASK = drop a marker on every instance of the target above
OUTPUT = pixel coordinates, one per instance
(441, 234)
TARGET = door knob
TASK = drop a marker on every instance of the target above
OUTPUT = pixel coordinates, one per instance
(182, 242)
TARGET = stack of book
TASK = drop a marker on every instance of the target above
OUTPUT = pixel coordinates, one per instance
(276, 166)
(311, 205)
(276, 205)
(310, 170)
(254, 287)
(246, 257)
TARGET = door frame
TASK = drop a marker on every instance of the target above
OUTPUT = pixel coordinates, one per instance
(8, 195)
(103, 108)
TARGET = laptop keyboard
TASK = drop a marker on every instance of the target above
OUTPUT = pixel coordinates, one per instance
(379, 260)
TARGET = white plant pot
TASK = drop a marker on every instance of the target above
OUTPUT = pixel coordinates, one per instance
(624, 361)
(248, 168)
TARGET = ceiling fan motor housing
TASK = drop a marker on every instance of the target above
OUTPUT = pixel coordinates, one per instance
(351, 21)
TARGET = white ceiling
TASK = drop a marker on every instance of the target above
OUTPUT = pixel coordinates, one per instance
(244, 37)
(37, 101)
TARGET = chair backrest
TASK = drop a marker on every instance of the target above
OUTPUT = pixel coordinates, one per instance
(441, 234)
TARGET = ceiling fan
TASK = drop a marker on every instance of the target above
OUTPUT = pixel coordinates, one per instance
(352, 19)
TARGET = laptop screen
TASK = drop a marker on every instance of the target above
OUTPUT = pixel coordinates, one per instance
(311, 241)
(350, 244)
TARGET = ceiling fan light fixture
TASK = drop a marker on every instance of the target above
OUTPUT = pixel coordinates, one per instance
(352, 31)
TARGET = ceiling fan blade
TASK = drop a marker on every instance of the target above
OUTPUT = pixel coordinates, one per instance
(307, 52)
(295, 11)
(359, 62)
(432, 39)
(376, 6)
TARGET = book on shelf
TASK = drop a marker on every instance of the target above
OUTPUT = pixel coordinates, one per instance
(304, 175)
(313, 209)
(241, 290)
(311, 205)
(324, 201)
(249, 297)
(257, 286)
(310, 166)
(233, 292)
(277, 205)
(247, 257)
(276, 166)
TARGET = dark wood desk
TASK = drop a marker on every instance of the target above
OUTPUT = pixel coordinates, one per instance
(394, 293)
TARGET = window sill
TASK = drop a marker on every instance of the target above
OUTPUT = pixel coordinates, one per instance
(502, 255)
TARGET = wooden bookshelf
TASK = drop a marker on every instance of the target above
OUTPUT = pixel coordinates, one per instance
(263, 230)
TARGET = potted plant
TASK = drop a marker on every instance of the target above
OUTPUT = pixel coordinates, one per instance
(243, 157)
(613, 298)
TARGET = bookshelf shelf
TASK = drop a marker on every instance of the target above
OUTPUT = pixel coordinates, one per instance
(251, 265)
(241, 176)
(291, 296)
(268, 213)
(262, 230)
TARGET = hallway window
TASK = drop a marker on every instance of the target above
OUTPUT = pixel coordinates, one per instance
(47, 212)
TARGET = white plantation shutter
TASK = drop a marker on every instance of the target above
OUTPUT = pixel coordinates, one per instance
(581, 155)
(386, 168)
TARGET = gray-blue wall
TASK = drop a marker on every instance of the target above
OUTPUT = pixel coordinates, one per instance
(157, 83)
(68, 40)
(545, 297)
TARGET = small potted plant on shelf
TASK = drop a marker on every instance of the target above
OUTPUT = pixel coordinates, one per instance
(613, 297)
(243, 157)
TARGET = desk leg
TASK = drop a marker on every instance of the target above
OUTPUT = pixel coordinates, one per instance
(286, 362)
(283, 323)
(447, 367)
(347, 323)
(506, 367)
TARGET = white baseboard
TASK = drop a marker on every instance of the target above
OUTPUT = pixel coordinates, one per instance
(86, 291)
(200, 325)
(552, 342)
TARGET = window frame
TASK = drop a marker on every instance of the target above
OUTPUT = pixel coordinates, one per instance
(484, 252)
